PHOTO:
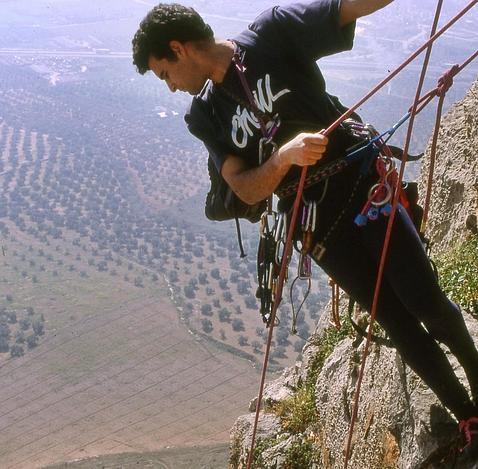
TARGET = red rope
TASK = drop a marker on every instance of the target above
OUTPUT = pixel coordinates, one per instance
(426, 204)
(444, 84)
(466, 427)
(288, 245)
(335, 304)
(388, 233)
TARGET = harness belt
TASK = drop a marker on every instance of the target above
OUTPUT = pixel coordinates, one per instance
(322, 171)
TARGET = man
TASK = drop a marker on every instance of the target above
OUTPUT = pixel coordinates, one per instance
(278, 56)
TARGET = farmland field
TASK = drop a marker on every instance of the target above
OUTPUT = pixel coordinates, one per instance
(121, 374)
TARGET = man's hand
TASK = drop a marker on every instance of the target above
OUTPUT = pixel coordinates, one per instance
(255, 184)
(350, 10)
(303, 150)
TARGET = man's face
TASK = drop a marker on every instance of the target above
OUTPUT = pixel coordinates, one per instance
(183, 74)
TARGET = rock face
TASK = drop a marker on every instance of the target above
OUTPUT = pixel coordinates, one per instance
(454, 202)
(400, 423)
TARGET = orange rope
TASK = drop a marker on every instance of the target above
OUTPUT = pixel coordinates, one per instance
(335, 304)
(426, 204)
(388, 233)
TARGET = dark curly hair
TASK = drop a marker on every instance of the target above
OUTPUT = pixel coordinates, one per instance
(164, 23)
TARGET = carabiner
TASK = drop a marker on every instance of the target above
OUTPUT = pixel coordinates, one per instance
(266, 227)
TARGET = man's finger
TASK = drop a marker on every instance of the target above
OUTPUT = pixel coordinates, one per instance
(316, 148)
(313, 156)
(316, 139)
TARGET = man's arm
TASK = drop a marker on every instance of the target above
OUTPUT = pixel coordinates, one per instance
(256, 184)
(350, 10)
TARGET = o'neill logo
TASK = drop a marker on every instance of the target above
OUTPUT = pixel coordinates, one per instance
(244, 119)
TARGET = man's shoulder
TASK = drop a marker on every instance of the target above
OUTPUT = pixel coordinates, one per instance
(263, 27)
(281, 26)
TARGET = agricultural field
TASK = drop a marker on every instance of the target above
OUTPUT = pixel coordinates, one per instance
(115, 369)
(52, 196)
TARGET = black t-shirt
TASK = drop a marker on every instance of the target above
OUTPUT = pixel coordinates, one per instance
(279, 51)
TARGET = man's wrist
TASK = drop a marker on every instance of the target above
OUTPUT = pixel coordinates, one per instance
(280, 161)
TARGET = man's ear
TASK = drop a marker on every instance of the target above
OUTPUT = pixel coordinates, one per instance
(177, 47)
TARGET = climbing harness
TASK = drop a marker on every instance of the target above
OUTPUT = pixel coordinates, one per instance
(321, 172)
(282, 273)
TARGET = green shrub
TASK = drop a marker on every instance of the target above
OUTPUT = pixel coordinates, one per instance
(300, 455)
(458, 269)
(257, 460)
(298, 411)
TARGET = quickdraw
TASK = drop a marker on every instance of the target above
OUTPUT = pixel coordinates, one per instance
(308, 224)
(304, 267)
(273, 229)
(335, 321)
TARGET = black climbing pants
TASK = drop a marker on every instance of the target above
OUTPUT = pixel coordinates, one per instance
(412, 309)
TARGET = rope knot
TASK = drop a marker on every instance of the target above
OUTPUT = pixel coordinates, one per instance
(446, 80)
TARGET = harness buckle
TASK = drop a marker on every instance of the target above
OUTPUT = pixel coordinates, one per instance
(266, 147)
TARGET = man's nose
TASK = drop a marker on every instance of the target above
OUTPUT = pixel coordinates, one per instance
(171, 87)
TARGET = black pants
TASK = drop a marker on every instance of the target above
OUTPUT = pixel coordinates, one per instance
(412, 309)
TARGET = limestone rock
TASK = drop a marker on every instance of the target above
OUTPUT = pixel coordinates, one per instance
(279, 389)
(241, 436)
(454, 202)
(399, 422)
